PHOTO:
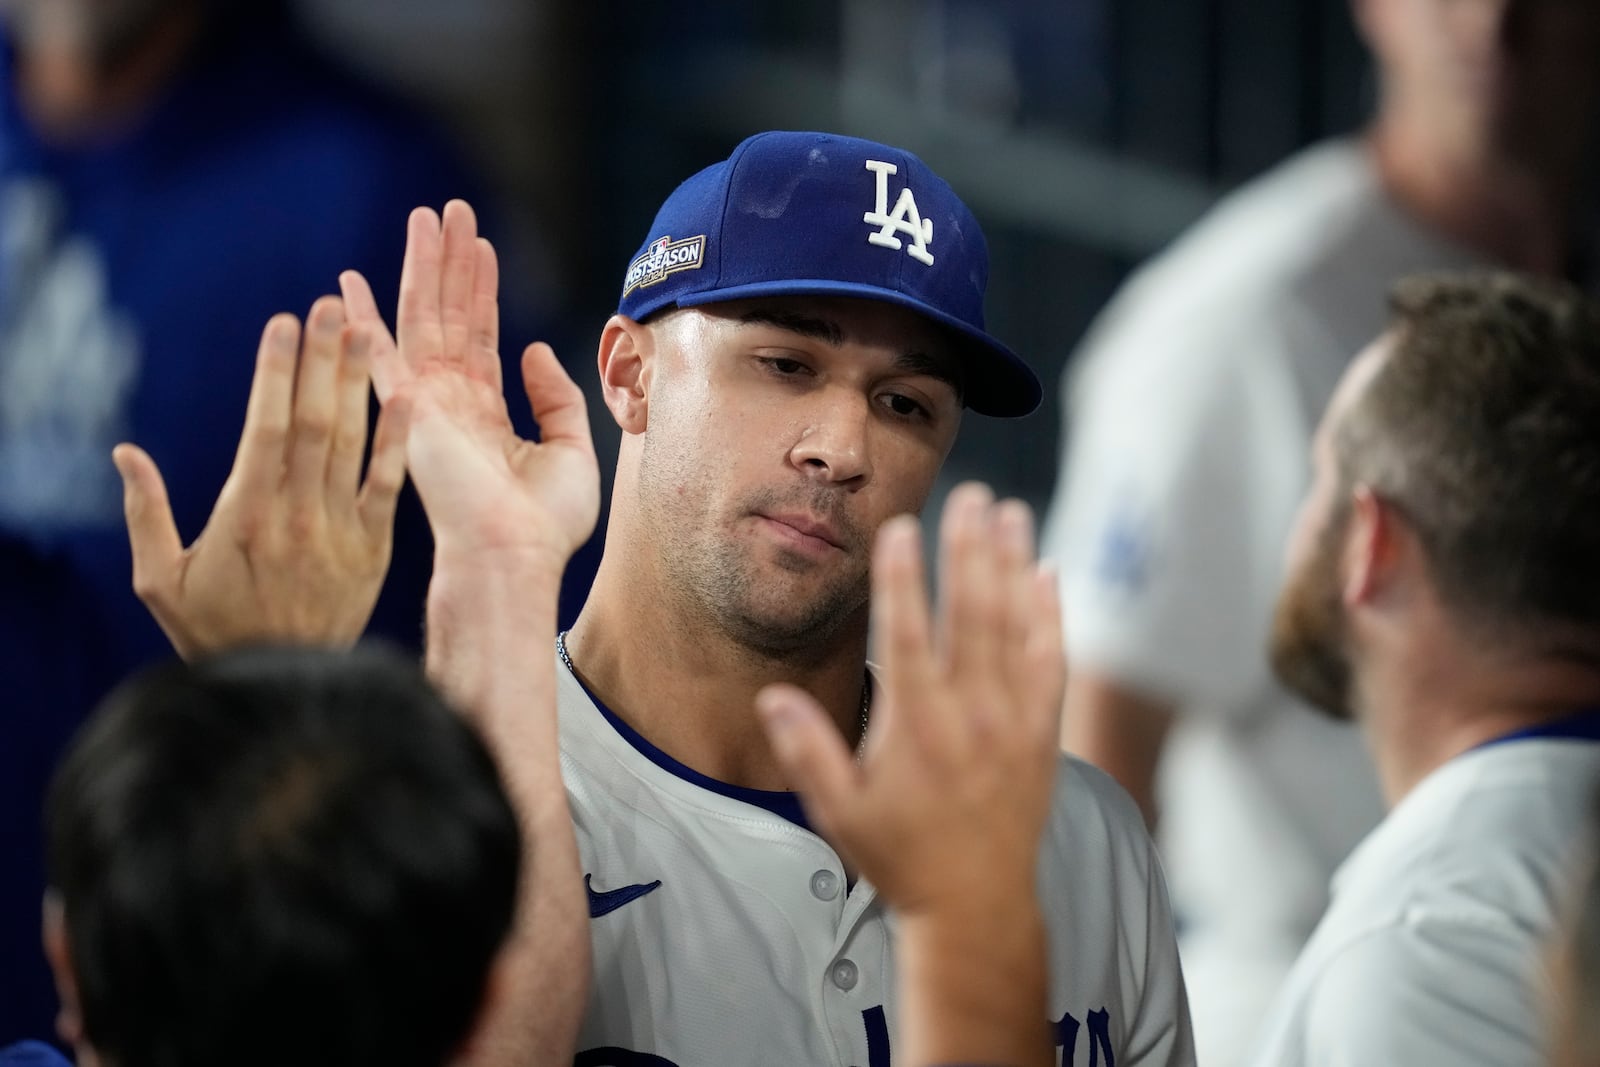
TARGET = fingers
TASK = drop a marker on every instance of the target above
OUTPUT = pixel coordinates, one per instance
(901, 631)
(1011, 538)
(386, 471)
(991, 609)
(258, 465)
(152, 533)
(971, 617)
(417, 320)
(1019, 590)
(350, 426)
(485, 352)
(557, 402)
(388, 372)
(316, 405)
(1044, 662)
(812, 754)
(359, 304)
(457, 289)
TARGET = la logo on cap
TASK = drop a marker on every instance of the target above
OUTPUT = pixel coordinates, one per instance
(905, 218)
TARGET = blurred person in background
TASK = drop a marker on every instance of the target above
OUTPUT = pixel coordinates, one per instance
(1189, 420)
(171, 173)
(1440, 592)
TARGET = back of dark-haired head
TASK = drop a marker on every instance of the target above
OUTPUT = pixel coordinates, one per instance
(1482, 426)
(281, 857)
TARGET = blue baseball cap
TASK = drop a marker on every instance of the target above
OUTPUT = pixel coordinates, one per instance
(817, 214)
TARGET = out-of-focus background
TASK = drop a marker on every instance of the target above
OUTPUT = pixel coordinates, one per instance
(1085, 134)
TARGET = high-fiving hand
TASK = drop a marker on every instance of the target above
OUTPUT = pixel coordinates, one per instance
(298, 544)
(945, 811)
(955, 780)
(487, 491)
(506, 514)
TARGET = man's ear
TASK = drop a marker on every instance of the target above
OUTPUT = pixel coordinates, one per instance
(627, 353)
(58, 953)
(1371, 547)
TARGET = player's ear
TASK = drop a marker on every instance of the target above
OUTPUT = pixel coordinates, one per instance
(627, 349)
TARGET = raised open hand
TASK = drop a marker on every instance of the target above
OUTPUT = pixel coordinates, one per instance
(945, 812)
(487, 491)
(507, 514)
(298, 545)
(953, 790)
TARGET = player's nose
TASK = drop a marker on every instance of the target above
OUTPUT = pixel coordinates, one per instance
(832, 445)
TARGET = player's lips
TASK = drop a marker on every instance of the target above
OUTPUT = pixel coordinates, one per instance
(804, 531)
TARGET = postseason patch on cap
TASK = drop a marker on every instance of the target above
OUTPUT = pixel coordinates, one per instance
(664, 256)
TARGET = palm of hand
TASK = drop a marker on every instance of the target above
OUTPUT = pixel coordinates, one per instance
(486, 488)
(297, 546)
(969, 748)
(254, 552)
(956, 780)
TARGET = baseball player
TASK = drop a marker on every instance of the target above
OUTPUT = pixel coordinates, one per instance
(1186, 441)
(1441, 590)
(794, 344)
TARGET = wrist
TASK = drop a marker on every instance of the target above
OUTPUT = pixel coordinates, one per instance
(1000, 918)
(517, 559)
(977, 892)
(519, 566)
(975, 988)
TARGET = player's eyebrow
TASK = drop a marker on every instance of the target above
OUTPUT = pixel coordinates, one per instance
(804, 325)
(945, 369)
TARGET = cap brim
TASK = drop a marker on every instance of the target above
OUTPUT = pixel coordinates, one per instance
(998, 382)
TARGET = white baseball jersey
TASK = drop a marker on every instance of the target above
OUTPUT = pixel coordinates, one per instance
(1187, 432)
(725, 933)
(1432, 949)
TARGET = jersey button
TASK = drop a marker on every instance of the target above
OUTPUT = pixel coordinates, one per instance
(845, 975)
(824, 885)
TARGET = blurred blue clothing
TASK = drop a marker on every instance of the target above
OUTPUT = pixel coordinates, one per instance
(136, 274)
(32, 1054)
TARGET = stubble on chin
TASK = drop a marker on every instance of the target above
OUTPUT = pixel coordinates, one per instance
(719, 573)
(777, 606)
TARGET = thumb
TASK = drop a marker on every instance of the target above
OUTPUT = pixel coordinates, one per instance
(152, 533)
(557, 402)
(811, 753)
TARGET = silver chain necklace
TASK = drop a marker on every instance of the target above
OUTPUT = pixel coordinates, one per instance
(866, 689)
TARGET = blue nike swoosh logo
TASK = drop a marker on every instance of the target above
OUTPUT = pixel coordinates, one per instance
(606, 903)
